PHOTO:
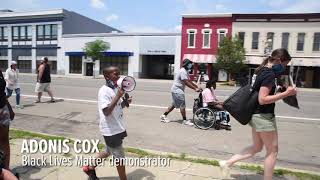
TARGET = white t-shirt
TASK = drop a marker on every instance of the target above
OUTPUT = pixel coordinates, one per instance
(113, 123)
(13, 77)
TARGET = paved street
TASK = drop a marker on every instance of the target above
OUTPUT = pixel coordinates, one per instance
(76, 116)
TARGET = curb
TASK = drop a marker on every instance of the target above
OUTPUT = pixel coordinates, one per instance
(161, 153)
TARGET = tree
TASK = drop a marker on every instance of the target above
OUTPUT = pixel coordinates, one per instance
(95, 50)
(231, 56)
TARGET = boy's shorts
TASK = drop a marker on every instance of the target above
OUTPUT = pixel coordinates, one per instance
(114, 145)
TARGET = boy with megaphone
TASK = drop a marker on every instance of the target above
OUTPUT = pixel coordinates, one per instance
(111, 125)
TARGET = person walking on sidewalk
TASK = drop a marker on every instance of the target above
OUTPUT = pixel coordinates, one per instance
(263, 122)
(177, 91)
(12, 79)
(110, 107)
(43, 80)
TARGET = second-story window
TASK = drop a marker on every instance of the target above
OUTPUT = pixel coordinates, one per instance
(192, 38)
(270, 36)
(300, 41)
(29, 32)
(241, 37)
(285, 40)
(206, 38)
(15, 33)
(222, 33)
(255, 40)
(21, 33)
(47, 32)
(3, 34)
(316, 42)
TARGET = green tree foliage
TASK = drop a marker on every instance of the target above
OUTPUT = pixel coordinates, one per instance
(95, 48)
(231, 56)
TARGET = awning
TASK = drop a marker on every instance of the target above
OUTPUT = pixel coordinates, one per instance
(201, 58)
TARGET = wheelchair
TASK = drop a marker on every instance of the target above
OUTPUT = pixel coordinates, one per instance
(209, 117)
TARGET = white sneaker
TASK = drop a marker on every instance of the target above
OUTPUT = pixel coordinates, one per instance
(225, 170)
(224, 123)
(187, 122)
(164, 118)
(19, 106)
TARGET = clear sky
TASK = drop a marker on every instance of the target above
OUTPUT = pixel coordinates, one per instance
(158, 15)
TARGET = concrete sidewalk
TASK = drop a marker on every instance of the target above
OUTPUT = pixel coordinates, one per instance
(176, 170)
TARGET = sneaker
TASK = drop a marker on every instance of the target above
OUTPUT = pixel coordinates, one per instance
(52, 100)
(37, 101)
(19, 107)
(225, 123)
(224, 169)
(164, 118)
(188, 122)
(90, 172)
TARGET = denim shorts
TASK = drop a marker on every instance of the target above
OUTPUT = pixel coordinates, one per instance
(178, 100)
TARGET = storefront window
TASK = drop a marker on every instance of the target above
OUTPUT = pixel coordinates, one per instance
(24, 66)
(119, 61)
(75, 64)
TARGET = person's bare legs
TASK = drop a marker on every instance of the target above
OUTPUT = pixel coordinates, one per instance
(170, 108)
(248, 151)
(39, 96)
(4, 144)
(270, 140)
(122, 172)
(183, 113)
(50, 94)
(101, 155)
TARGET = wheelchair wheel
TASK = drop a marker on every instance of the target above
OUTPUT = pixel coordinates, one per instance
(204, 118)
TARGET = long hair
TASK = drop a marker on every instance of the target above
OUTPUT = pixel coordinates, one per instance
(280, 53)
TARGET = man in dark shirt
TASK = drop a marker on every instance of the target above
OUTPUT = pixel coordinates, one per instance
(43, 80)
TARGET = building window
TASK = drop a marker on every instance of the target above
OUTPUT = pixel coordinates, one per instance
(29, 32)
(3, 65)
(270, 36)
(206, 42)
(316, 41)
(21, 33)
(40, 34)
(3, 34)
(47, 32)
(241, 38)
(53, 66)
(119, 61)
(15, 34)
(255, 40)
(24, 66)
(222, 33)
(75, 64)
(191, 38)
(285, 40)
(300, 42)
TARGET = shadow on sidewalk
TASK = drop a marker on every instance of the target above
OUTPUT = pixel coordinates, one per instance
(25, 172)
(138, 174)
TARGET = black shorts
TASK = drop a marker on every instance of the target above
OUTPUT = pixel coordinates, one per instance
(115, 140)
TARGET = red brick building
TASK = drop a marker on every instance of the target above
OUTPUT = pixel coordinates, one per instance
(201, 35)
